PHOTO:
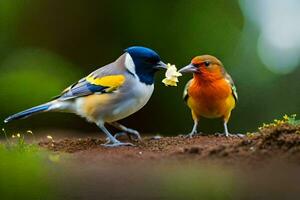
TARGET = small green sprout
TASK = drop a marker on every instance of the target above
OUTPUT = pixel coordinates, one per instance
(292, 120)
(16, 142)
(285, 120)
(250, 134)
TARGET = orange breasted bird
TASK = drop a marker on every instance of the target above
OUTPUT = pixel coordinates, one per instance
(108, 94)
(211, 92)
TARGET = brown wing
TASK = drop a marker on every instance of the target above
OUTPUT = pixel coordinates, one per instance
(185, 91)
(233, 88)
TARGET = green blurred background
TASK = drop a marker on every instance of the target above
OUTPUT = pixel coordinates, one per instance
(47, 45)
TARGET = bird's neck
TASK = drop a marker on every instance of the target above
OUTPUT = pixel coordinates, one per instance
(146, 78)
(145, 74)
(207, 78)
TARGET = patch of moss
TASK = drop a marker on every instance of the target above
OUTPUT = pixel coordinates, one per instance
(291, 120)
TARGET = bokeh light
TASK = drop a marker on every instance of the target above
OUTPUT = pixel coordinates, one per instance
(279, 32)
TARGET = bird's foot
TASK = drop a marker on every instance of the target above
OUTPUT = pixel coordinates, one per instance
(120, 134)
(192, 134)
(136, 135)
(132, 134)
(116, 143)
(111, 141)
(238, 135)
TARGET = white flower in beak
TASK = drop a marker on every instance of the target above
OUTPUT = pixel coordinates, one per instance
(171, 76)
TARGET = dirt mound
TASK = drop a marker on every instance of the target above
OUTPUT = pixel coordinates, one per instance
(281, 141)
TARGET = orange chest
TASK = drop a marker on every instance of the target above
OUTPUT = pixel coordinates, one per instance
(210, 91)
(209, 99)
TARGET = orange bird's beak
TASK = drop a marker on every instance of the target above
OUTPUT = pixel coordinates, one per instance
(188, 69)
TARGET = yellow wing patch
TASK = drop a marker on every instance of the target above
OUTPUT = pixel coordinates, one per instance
(111, 81)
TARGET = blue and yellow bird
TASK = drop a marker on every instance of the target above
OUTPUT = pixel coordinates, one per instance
(108, 94)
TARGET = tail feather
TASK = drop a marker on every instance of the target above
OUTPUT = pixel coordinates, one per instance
(28, 112)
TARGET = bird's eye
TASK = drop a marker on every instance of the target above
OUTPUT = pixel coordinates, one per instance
(206, 63)
(150, 60)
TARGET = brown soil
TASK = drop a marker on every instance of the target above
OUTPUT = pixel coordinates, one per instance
(203, 167)
(281, 141)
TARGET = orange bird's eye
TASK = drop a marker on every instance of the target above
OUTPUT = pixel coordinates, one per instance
(206, 63)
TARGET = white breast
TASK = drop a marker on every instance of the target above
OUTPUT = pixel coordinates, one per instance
(137, 98)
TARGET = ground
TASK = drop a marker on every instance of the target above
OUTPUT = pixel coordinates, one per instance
(280, 141)
(261, 165)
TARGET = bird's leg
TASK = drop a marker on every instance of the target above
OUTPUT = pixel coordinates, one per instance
(227, 134)
(194, 130)
(125, 130)
(226, 129)
(111, 141)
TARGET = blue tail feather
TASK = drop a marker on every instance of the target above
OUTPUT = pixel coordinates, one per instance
(28, 112)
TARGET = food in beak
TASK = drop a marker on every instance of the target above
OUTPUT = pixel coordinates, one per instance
(171, 76)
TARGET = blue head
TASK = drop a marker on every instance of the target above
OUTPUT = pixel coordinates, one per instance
(146, 63)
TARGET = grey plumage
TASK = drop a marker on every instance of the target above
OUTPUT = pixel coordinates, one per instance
(81, 88)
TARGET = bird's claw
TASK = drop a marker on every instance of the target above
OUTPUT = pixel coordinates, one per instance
(130, 132)
(135, 134)
(234, 135)
(117, 144)
(191, 134)
(117, 135)
(238, 135)
(114, 142)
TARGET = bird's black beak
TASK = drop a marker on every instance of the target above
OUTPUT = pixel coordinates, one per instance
(188, 69)
(161, 65)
